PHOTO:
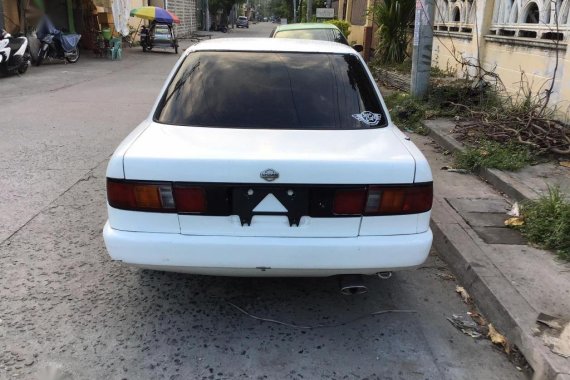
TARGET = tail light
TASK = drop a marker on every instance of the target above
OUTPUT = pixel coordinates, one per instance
(216, 199)
(349, 202)
(190, 199)
(158, 197)
(140, 196)
(384, 200)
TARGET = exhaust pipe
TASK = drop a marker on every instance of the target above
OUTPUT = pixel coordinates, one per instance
(384, 275)
(352, 284)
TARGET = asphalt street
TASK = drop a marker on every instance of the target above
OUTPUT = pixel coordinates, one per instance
(68, 312)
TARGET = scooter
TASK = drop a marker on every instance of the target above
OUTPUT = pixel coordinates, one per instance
(55, 44)
(218, 27)
(14, 54)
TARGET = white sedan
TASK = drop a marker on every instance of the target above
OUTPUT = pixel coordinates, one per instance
(269, 157)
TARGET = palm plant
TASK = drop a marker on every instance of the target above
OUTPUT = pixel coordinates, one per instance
(393, 18)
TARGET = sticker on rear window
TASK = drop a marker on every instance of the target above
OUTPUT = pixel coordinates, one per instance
(368, 118)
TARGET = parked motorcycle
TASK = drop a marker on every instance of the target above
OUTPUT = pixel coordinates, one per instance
(55, 44)
(14, 54)
(218, 27)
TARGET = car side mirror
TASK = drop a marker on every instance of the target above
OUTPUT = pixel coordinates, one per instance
(358, 48)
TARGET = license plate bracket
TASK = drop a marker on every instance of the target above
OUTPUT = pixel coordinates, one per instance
(246, 198)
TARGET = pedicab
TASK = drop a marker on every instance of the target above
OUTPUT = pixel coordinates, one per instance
(160, 32)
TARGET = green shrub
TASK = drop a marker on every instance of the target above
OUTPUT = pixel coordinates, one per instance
(547, 222)
(344, 26)
(491, 154)
(406, 112)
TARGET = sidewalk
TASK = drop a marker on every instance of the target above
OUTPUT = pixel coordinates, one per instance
(511, 282)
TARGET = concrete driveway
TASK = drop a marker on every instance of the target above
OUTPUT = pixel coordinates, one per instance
(68, 312)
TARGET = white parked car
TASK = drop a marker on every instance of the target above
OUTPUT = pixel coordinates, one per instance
(269, 157)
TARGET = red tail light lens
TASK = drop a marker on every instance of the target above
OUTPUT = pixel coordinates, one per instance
(190, 199)
(121, 195)
(399, 200)
(418, 199)
(349, 202)
(139, 195)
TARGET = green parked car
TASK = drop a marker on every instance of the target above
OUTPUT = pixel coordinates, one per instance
(312, 31)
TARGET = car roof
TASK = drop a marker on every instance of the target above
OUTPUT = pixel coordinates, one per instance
(303, 26)
(271, 44)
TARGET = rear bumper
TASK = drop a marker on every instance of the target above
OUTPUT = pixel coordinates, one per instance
(267, 256)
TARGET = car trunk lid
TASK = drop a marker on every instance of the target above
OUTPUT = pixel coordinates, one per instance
(261, 169)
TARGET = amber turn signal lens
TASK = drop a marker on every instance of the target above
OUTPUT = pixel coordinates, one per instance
(147, 196)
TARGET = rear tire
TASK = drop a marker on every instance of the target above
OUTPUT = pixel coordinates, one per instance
(144, 48)
(41, 56)
(74, 56)
(23, 67)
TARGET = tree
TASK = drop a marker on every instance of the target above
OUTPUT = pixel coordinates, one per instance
(393, 18)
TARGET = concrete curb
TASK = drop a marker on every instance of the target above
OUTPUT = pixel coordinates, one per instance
(460, 246)
(499, 179)
(496, 297)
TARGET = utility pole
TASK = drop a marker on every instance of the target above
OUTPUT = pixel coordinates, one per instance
(309, 10)
(1, 15)
(294, 11)
(423, 41)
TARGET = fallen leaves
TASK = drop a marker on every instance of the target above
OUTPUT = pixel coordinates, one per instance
(498, 338)
(515, 221)
(565, 164)
(495, 336)
(463, 293)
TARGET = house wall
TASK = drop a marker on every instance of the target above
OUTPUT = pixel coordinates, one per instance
(500, 36)
(354, 11)
(11, 16)
(186, 11)
(135, 22)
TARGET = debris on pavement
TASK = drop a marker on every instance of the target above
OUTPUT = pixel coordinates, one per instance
(446, 276)
(463, 293)
(559, 345)
(557, 335)
(515, 210)
(515, 221)
(318, 326)
(466, 325)
(498, 338)
(454, 170)
(550, 321)
(478, 318)
(565, 164)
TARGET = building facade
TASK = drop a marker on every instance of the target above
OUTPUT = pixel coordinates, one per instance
(509, 38)
(186, 12)
(75, 15)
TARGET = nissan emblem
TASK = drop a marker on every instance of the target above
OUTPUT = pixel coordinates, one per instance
(269, 175)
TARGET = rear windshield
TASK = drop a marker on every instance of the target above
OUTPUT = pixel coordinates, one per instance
(306, 34)
(271, 91)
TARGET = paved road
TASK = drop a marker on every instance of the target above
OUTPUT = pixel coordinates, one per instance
(68, 312)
